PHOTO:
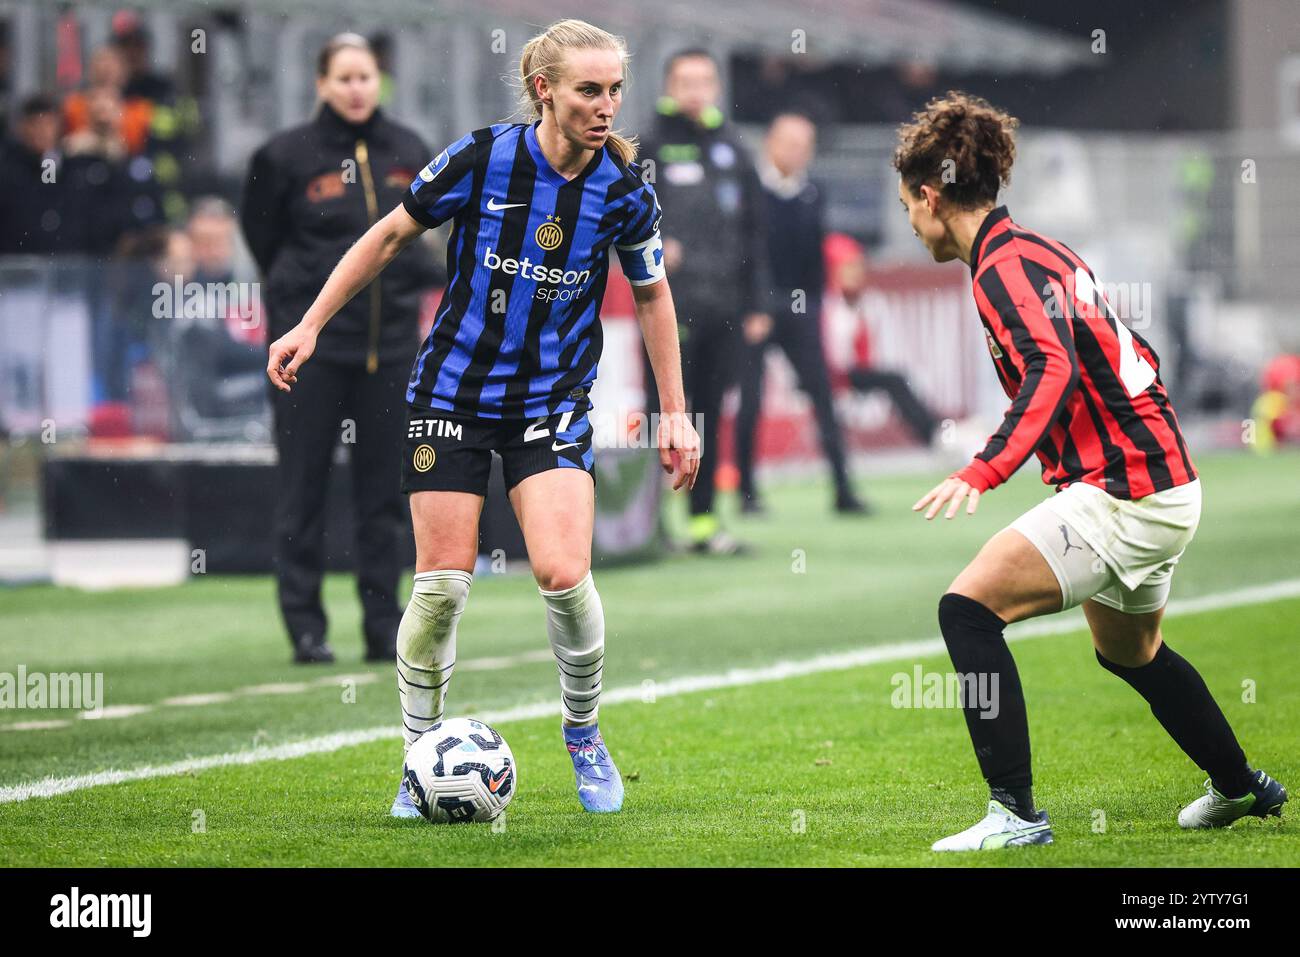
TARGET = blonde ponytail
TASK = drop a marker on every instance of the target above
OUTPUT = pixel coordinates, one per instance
(543, 55)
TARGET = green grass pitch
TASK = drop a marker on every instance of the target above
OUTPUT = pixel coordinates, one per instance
(817, 769)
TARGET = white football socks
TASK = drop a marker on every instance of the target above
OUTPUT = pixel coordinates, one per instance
(575, 623)
(426, 647)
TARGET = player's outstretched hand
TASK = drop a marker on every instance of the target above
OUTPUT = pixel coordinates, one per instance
(951, 490)
(294, 347)
(679, 448)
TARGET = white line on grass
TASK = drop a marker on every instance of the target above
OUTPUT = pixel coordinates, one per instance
(114, 712)
(732, 678)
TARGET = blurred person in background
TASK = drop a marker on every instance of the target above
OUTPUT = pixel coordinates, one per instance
(131, 39)
(32, 202)
(73, 196)
(220, 351)
(848, 280)
(211, 228)
(114, 195)
(1277, 410)
(108, 68)
(715, 250)
(311, 191)
(174, 122)
(795, 231)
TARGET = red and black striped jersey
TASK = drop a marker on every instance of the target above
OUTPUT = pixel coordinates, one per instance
(1086, 391)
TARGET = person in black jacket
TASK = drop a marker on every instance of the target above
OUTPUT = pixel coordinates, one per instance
(73, 195)
(795, 232)
(311, 191)
(715, 250)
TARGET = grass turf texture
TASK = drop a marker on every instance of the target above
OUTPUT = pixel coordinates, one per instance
(722, 777)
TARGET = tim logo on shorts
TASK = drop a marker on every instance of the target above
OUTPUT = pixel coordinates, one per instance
(428, 428)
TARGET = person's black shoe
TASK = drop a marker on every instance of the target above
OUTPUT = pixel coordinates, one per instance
(752, 505)
(309, 651)
(846, 503)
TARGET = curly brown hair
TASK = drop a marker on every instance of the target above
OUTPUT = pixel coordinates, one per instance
(960, 145)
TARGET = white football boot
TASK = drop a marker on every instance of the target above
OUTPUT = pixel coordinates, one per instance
(1000, 828)
(1264, 798)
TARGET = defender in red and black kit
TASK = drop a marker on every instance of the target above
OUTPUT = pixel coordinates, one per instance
(1086, 396)
(1087, 399)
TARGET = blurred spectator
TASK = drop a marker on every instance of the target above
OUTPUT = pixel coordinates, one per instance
(1277, 410)
(174, 120)
(715, 251)
(109, 200)
(131, 39)
(41, 209)
(121, 300)
(32, 202)
(795, 230)
(108, 69)
(101, 134)
(76, 196)
(111, 193)
(848, 279)
(211, 228)
(219, 375)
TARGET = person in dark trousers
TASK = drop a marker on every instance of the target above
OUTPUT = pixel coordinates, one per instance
(716, 253)
(794, 218)
(311, 191)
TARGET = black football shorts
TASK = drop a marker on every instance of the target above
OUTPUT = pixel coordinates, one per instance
(453, 453)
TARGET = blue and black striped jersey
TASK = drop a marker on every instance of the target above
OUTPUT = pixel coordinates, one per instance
(518, 332)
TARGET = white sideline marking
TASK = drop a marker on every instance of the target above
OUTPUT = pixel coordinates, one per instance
(109, 712)
(275, 688)
(282, 687)
(196, 700)
(35, 725)
(735, 677)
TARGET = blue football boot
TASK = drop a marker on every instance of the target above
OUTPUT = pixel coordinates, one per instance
(403, 806)
(600, 786)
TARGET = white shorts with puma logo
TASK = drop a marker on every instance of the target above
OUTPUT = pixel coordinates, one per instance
(1120, 552)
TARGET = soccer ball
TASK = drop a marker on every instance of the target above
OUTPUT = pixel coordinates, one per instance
(460, 770)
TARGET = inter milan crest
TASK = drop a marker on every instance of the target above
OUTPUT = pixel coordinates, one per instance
(424, 458)
(549, 235)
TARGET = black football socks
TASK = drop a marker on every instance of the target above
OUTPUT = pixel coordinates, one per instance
(1000, 733)
(1185, 708)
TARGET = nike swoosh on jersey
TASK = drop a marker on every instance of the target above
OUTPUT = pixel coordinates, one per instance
(493, 205)
(555, 446)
